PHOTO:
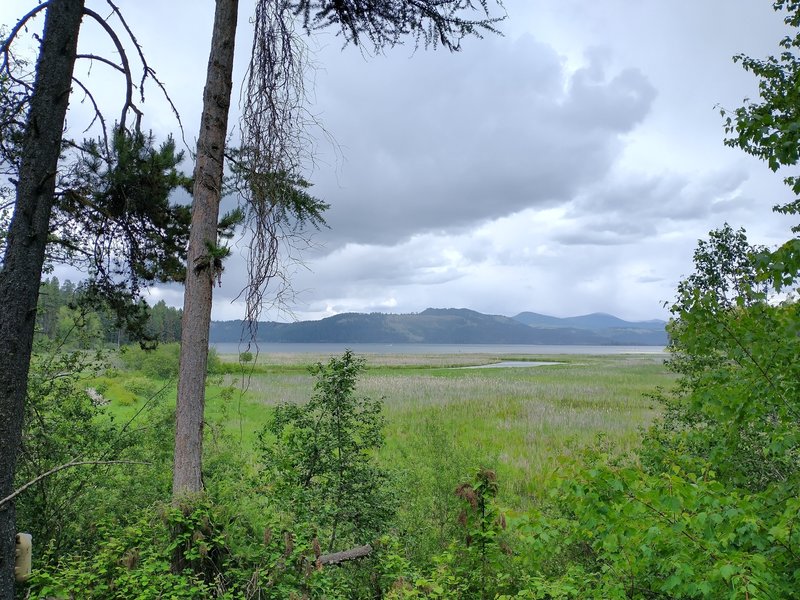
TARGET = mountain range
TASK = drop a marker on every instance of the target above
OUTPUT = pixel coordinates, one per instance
(454, 326)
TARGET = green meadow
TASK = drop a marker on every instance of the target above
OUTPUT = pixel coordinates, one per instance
(443, 417)
(447, 423)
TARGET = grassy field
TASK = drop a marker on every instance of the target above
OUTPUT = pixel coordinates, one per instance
(444, 420)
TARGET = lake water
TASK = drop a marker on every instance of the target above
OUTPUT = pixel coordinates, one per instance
(514, 364)
(495, 349)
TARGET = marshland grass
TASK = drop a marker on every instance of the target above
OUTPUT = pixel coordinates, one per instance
(443, 421)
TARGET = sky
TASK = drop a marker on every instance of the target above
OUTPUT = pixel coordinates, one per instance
(566, 167)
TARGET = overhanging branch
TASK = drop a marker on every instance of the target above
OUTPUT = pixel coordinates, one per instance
(70, 464)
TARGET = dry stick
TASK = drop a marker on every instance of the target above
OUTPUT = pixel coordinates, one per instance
(72, 463)
(146, 70)
(103, 60)
(98, 115)
(5, 48)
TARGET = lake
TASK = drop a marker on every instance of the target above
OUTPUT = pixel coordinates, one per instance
(496, 349)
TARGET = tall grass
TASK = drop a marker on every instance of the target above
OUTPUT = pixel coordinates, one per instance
(444, 421)
(519, 420)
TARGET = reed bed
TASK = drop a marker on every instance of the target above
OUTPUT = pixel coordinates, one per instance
(442, 421)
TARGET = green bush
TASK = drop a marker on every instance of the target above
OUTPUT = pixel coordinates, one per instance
(197, 550)
(164, 553)
(478, 563)
(214, 361)
(158, 363)
(63, 423)
(161, 362)
(321, 469)
(710, 509)
(143, 387)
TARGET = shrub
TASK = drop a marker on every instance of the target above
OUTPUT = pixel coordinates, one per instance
(476, 565)
(214, 362)
(320, 467)
(161, 362)
(712, 509)
(63, 423)
(135, 561)
(142, 387)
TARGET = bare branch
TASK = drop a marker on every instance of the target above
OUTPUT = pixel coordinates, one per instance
(6, 45)
(147, 71)
(126, 69)
(5, 49)
(98, 115)
(103, 60)
(68, 465)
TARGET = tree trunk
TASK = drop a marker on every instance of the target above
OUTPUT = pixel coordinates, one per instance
(22, 265)
(201, 270)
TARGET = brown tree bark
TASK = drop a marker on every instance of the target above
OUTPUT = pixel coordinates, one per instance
(201, 268)
(25, 250)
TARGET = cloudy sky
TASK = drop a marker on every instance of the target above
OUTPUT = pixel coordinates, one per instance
(566, 167)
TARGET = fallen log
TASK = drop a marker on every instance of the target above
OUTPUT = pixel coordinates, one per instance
(351, 554)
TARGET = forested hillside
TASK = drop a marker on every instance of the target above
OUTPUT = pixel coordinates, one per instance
(67, 312)
(450, 326)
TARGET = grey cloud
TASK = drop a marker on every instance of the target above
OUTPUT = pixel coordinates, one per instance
(617, 104)
(581, 236)
(442, 142)
(738, 202)
(649, 279)
(623, 212)
(366, 271)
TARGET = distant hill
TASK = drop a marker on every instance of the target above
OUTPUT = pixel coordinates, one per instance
(453, 326)
(633, 333)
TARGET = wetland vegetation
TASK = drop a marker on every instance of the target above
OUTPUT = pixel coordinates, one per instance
(592, 476)
(518, 420)
(440, 425)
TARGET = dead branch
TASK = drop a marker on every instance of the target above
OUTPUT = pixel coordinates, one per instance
(6, 45)
(103, 60)
(6, 64)
(68, 465)
(147, 71)
(126, 69)
(130, 104)
(98, 115)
